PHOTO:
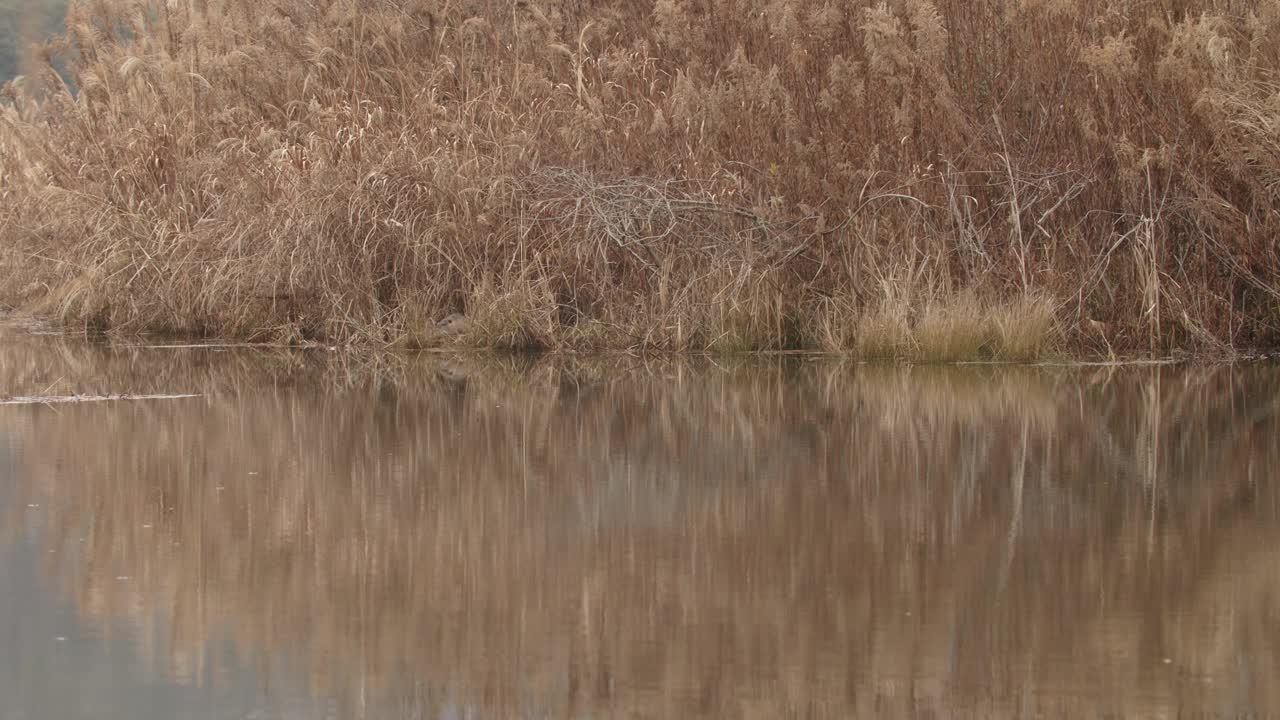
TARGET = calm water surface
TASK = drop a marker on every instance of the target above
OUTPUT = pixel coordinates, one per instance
(323, 536)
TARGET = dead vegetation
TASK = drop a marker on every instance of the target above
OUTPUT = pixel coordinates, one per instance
(908, 179)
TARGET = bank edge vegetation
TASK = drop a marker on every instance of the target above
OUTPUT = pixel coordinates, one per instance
(906, 179)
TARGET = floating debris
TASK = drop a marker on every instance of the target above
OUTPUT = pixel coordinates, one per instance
(225, 346)
(50, 399)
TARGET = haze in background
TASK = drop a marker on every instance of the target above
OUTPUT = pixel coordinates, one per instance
(23, 22)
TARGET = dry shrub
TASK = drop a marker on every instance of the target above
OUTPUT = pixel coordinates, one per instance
(350, 172)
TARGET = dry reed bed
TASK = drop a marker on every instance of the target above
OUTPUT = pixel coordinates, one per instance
(911, 178)
(626, 538)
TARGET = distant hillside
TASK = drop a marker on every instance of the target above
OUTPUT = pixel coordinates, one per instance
(13, 21)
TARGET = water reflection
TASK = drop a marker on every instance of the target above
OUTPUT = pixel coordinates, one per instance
(628, 537)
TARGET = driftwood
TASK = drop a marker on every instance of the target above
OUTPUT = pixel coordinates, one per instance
(50, 399)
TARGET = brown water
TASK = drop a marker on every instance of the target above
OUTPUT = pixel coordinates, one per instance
(318, 535)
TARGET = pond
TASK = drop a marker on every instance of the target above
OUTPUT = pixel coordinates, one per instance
(329, 534)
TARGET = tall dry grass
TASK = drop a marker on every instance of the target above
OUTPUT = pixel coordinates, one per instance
(679, 174)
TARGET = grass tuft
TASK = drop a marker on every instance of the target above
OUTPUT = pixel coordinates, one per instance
(1024, 329)
(953, 329)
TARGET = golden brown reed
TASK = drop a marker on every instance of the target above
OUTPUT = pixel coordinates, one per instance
(657, 539)
(730, 174)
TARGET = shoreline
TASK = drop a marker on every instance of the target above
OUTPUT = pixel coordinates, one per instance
(33, 325)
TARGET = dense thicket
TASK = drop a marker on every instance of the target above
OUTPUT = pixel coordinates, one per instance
(881, 176)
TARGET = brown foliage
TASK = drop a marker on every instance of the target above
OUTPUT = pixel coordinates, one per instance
(351, 171)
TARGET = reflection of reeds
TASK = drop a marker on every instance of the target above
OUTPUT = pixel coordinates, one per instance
(626, 537)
